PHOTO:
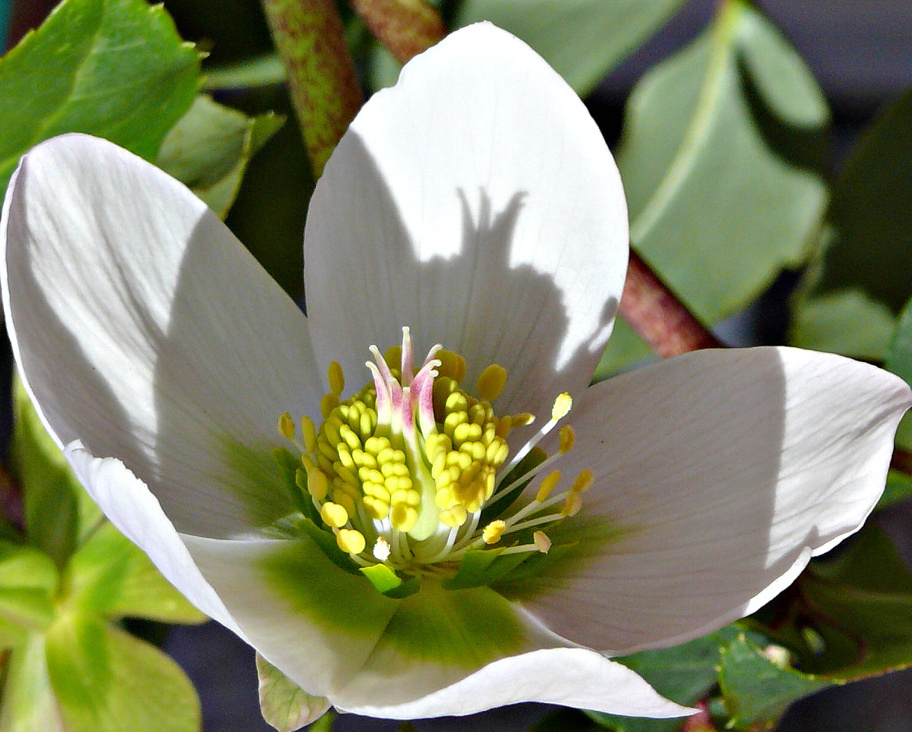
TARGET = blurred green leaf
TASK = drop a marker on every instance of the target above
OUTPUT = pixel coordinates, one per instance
(209, 149)
(581, 39)
(258, 71)
(110, 576)
(860, 603)
(721, 158)
(27, 702)
(284, 704)
(112, 68)
(861, 280)
(756, 691)
(28, 587)
(57, 509)
(684, 673)
(898, 490)
(105, 680)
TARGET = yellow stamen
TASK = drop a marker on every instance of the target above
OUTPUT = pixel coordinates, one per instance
(583, 482)
(317, 484)
(547, 486)
(493, 531)
(287, 426)
(351, 541)
(542, 542)
(572, 505)
(453, 517)
(309, 432)
(491, 382)
(562, 406)
(567, 438)
(334, 515)
(452, 365)
(336, 378)
(393, 356)
(522, 419)
(327, 404)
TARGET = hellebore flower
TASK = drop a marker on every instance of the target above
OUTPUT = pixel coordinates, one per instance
(385, 552)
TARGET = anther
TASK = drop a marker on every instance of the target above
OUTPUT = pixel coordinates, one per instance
(542, 542)
(493, 531)
(572, 505)
(351, 541)
(287, 426)
(562, 406)
(336, 378)
(491, 382)
(334, 515)
(547, 486)
(309, 432)
(327, 404)
(583, 482)
(567, 438)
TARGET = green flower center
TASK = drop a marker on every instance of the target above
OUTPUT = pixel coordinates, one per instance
(413, 472)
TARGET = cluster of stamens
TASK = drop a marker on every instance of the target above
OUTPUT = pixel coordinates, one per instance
(402, 471)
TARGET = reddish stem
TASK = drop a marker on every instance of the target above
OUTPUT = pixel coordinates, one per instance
(405, 27)
(658, 316)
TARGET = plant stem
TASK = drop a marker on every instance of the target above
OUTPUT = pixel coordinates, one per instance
(405, 27)
(309, 37)
(658, 316)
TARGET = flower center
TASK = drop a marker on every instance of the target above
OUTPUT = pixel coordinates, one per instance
(413, 472)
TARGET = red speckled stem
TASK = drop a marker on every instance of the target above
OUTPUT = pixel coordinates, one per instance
(405, 27)
(308, 35)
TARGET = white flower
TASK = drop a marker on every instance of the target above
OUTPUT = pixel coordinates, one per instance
(476, 204)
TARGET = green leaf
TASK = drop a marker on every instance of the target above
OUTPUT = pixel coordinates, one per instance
(722, 157)
(285, 705)
(898, 490)
(209, 148)
(583, 39)
(57, 510)
(27, 702)
(110, 576)
(757, 691)
(28, 588)
(112, 68)
(249, 73)
(105, 680)
(860, 603)
(850, 299)
(684, 674)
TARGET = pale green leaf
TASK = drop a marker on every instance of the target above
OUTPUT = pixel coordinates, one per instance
(112, 68)
(722, 153)
(581, 39)
(209, 148)
(27, 702)
(105, 680)
(111, 576)
(861, 281)
(285, 705)
(258, 71)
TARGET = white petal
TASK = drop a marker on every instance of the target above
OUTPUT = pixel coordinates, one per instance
(138, 515)
(573, 677)
(143, 328)
(719, 474)
(477, 203)
(315, 622)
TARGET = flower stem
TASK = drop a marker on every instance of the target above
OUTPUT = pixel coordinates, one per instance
(309, 37)
(658, 316)
(405, 27)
